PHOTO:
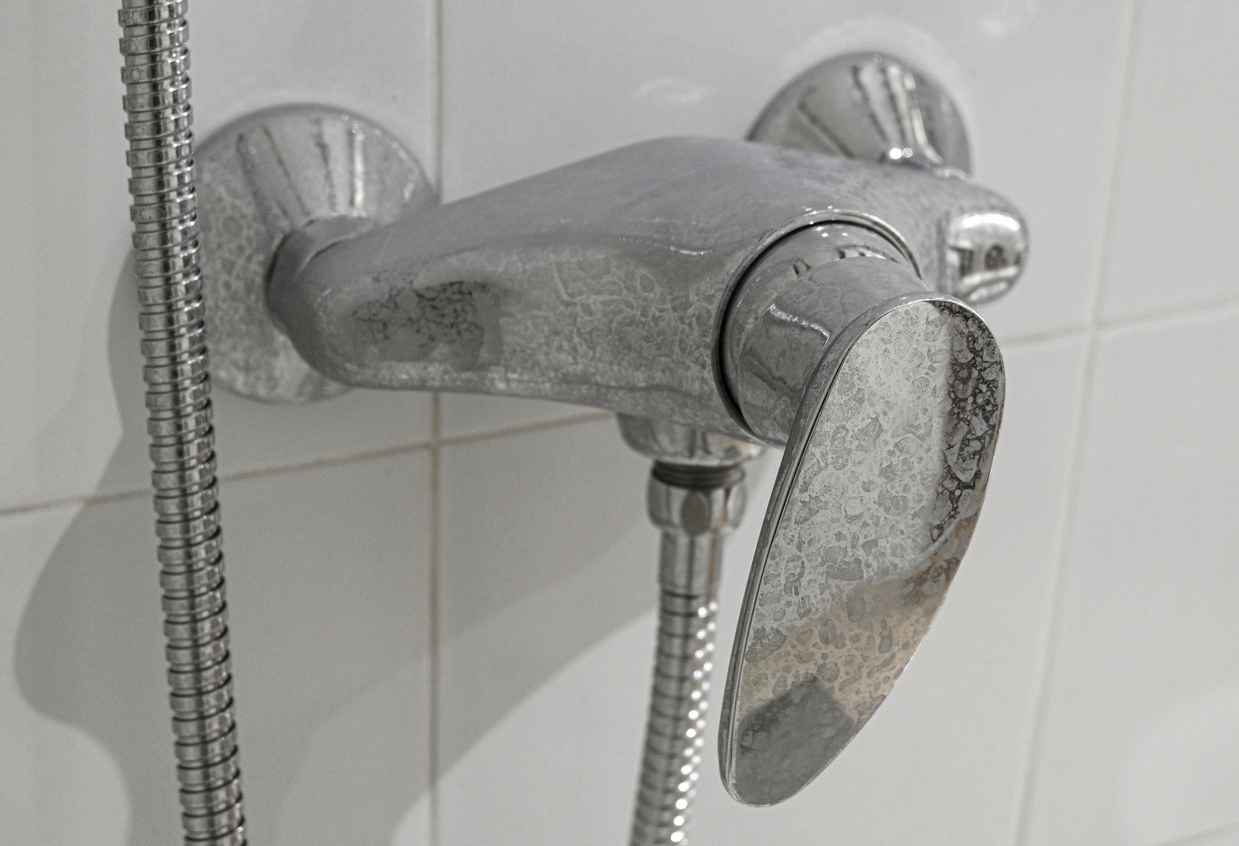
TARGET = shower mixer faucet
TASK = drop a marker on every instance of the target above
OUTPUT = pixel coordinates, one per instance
(758, 293)
(811, 288)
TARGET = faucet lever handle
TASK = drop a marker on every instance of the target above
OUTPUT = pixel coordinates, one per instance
(876, 499)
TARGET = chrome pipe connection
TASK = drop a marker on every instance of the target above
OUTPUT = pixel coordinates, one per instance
(717, 295)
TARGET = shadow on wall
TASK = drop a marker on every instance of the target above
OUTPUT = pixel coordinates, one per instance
(330, 630)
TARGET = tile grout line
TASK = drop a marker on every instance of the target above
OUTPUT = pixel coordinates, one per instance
(564, 422)
(70, 501)
(1030, 340)
(1163, 314)
(1171, 315)
(436, 106)
(1047, 648)
(435, 621)
(1202, 838)
(240, 475)
(359, 457)
(1087, 381)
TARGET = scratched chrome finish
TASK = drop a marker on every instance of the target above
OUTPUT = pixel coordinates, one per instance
(695, 506)
(874, 107)
(265, 177)
(876, 499)
(600, 283)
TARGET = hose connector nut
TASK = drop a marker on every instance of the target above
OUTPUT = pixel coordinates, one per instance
(679, 501)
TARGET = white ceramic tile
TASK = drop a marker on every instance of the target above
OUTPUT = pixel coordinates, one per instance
(329, 575)
(381, 64)
(1228, 836)
(63, 238)
(547, 560)
(1141, 736)
(18, 345)
(1177, 191)
(546, 651)
(73, 423)
(532, 85)
(468, 414)
(59, 784)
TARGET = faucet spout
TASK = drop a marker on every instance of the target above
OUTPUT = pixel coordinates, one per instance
(604, 282)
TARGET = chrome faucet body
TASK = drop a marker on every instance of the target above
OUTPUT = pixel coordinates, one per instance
(760, 293)
(718, 296)
(607, 282)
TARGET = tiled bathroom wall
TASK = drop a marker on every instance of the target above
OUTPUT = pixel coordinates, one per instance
(443, 606)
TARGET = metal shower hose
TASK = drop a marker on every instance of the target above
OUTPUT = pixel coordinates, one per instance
(154, 45)
(695, 508)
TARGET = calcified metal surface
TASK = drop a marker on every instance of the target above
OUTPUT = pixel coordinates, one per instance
(265, 177)
(876, 501)
(155, 47)
(727, 287)
(601, 282)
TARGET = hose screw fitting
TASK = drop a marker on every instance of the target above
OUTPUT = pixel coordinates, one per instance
(679, 501)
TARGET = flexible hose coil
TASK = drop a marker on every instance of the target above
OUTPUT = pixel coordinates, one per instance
(695, 507)
(154, 45)
(676, 726)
